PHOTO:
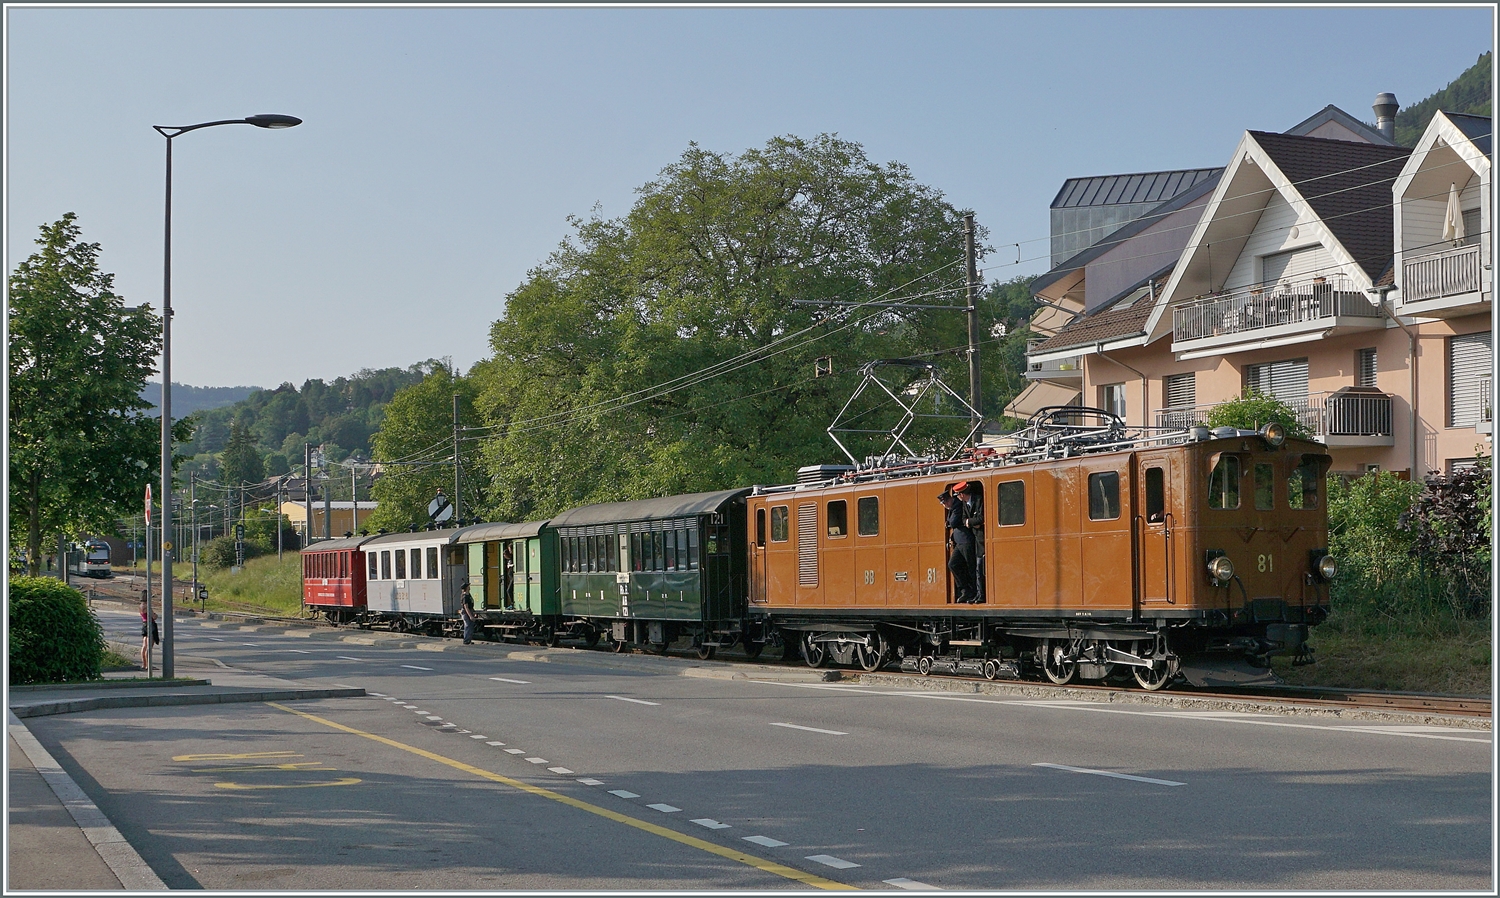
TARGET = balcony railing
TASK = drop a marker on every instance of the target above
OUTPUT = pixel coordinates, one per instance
(1057, 369)
(1450, 272)
(1271, 305)
(1325, 415)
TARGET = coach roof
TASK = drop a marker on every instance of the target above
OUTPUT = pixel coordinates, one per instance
(480, 533)
(334, 545)
(649, 509)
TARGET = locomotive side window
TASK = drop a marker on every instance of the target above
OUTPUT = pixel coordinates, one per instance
(385, 565)
(760, 527)
(1156, 496)
(400, 564)
(838, 518)
(1265, 486)
(780, 529)
(1104, 496)
(1012, 503)
(374, 567)
(432, 565)
(1302, 486)
(869, 516)
(1224, 483)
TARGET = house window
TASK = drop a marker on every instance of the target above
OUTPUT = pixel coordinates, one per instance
(869, 516)
(1180, 390)
(1471, 228)
(1112, 398)
(1285, 380)
(1469, 364)
(1365, 368)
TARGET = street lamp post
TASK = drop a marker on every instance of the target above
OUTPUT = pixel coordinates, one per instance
(169, 132)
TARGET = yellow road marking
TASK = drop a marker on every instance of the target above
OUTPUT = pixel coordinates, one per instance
(304, 765)
(750, 860)
(253, 754)
(346, 781)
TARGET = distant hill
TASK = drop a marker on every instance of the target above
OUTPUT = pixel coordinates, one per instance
(1469, 92)
(188, 399)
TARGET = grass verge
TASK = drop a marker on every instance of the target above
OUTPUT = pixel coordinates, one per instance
(1366, 650)
(264, 586)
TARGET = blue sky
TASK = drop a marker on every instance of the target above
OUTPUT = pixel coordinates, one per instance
(445, 148)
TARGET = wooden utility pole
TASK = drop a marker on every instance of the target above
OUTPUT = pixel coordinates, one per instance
(306, 494)
(971, 276)
(457, 496)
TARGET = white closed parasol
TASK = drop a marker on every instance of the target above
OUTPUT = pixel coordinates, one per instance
(1453, 219)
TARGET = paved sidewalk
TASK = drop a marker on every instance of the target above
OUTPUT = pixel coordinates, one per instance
(58, 838)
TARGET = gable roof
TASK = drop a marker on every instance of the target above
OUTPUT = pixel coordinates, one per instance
(1475, 127)
(1348, 185)
(1141, 187)
(1332, 113)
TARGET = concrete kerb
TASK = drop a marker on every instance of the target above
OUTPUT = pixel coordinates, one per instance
(123, 860)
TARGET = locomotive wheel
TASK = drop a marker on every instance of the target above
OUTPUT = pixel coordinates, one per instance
(991, 668)
(752, 649)
(705, 652)
(1059, 669)
(813, 652)
(924, 665)
(591, 639)
(659, 648)
(872, 655)
(550, 638)
(617, 646)
(1152, 679)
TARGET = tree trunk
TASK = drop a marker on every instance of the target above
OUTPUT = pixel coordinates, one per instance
(34, 525)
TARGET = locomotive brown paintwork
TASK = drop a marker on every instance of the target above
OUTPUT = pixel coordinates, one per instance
(1088, 562)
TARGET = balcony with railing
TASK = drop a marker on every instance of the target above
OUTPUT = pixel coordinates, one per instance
(1353, 416)
(1065, 369)
(1448, 280)
(1254, 314)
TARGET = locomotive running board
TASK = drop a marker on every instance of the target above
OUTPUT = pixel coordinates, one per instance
(1221, 670)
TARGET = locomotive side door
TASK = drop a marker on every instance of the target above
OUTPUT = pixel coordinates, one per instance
(758, 557)
(1155, 528)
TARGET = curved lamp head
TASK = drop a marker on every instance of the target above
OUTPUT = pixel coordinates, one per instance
(273, 121)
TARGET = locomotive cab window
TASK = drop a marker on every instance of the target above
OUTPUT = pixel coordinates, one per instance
(869, 516)
(1265, 486)
(1012, 503)
(780, 529)
(838, 518)
(1104, 496)
(1156, 496)
(1302, 486)
(1224, 483)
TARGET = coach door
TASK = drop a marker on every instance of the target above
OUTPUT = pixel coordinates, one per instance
(1155, 525)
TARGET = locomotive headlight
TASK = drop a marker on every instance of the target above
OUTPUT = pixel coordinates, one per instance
(1274, 434)
(1221, 568)
(1328, 568)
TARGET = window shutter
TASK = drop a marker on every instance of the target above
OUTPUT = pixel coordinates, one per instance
(1181, 390)
(1290, 266)
(1469, 364)
(1366, 369)
(1286, 380)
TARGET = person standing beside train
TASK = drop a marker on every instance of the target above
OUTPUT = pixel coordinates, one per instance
(466, 611)
(960, 544)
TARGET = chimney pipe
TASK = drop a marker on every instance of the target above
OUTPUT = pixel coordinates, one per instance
(1385, 115)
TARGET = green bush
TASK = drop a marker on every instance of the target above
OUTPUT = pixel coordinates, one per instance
(1254, 410)
(54, 637)
(1450, 528)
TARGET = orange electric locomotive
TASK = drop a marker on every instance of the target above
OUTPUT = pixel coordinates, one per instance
(1080, 553)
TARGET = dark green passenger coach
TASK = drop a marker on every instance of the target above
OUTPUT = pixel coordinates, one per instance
(654, 570)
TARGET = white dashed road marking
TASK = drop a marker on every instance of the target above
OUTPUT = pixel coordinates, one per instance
(710, 823)
(793, 726)
(767, 841)
(478, 737)
(537, 760)
(831, 861)
(506, 680)
(664, 808)
(623, 794)
(591, 782)
(561, 771)
(638, 701)
(1118, 776)
(912, 884)
(253, 645)
(300, 651)
(414, 667)
(347, 658)
(515, 751)
(494, 743)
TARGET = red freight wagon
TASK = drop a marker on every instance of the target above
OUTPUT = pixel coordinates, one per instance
(333, 578)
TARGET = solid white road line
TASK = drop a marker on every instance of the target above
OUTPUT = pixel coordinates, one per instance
(793, 726)
(912, 884)
(664, 808)
(623, 794)
(591, 782)
(414, 667)
(710, 823)
(767, 841)
(638, 701)
(1118, 776)
(831, 861)
(508, 680)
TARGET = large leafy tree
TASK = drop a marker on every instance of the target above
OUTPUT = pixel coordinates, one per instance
(670, 350)
(415, 450)
(81, 448)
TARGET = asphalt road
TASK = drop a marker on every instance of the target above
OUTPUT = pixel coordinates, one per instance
(492, 767)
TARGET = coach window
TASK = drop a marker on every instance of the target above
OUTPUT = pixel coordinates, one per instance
(692, 536)
(400, 564)
(416, 564)
(838, 518)
(869, 516)
(374, 573)
(779, 528)
(1156, 496)
(1224, 483)
(1104, 496)
(1302, 486)
(670, 538)
(1012, 503)
(385, 565)
(1265, 486)
(432, 565)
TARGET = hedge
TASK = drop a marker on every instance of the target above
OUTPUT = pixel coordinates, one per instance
(54, 637)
